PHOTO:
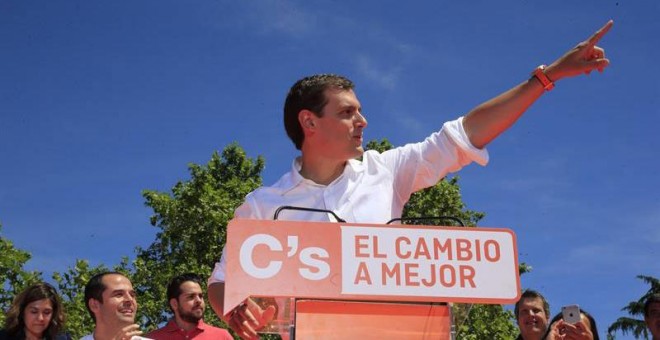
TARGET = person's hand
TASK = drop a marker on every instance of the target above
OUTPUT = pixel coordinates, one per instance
(248, 318)
(583, 58)
(556, 332)
(578, 331)
(128, 332)
(566, 331)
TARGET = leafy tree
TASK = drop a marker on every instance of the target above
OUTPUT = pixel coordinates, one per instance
(13, 277)
(192, 221)
(487, 322)
(635, 324)
(472, 321)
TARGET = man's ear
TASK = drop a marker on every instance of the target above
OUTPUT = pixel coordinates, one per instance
(174, 304)
(307, 119)
(94, 305)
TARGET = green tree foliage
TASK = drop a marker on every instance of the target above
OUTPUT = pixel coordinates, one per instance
(70, 286)
(486, 322)
(635, 324)
(13, 277)
(444, 199)
(192, 221)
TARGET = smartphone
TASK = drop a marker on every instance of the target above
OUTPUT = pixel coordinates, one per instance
(571, 314)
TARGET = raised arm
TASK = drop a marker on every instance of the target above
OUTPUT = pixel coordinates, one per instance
(488, 120)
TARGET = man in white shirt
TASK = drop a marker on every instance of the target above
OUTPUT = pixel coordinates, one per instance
(110, 300)
(323, 117)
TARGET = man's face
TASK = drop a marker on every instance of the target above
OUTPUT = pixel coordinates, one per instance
(189, 306)
(339, 130)
(653, 320)
(532, 320)
(119, 304)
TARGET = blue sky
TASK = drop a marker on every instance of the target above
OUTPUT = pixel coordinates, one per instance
(101, 100)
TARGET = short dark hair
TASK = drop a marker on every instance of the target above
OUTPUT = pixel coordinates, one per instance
(654, 298)
(174, 287)
(14, 322)
(560, 316)
(532, 294)
(308, 94)
(94, 289)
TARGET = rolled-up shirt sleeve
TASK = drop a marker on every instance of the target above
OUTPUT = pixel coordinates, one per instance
(420, 165)
(470, 153)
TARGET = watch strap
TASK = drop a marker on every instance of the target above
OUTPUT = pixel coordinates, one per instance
(539, 74)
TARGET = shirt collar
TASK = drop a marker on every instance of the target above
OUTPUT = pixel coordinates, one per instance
(173, 327)
(294, 178)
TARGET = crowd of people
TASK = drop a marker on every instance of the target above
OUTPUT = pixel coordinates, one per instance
(532, 312)
(37, 314)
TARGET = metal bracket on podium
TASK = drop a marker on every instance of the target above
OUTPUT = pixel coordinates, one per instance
(427, 218)
(290, 207)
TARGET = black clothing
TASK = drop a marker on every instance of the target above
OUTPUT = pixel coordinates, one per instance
(4, 335)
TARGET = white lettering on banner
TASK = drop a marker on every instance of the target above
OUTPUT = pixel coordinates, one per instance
(315, 268)
(322, 268)
(245, 256)
(428, 262)
(292, 243)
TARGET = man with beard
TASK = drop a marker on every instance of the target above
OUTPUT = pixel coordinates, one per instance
(532, 313)
(186, 299)
(110, 300)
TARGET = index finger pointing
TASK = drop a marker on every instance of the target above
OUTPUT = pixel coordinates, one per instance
(600, 33)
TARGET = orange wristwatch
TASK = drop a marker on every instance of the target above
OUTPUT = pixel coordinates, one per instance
(543, 78)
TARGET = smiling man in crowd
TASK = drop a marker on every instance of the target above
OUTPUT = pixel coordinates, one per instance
(532, 312)
(111, 301)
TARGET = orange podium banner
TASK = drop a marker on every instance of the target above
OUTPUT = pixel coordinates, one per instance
(351, 261)
(329, 320)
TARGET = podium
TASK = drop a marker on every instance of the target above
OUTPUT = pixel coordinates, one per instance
(317, 319)
(368, 281)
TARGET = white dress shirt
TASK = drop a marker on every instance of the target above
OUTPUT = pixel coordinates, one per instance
(373, 190)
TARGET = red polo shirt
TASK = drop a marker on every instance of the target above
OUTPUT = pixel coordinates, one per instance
(171, 331)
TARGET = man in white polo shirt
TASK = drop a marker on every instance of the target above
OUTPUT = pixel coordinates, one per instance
(110, 300)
